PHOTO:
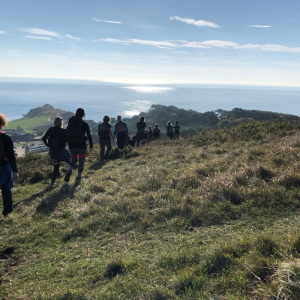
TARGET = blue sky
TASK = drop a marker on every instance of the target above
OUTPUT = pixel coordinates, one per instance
(139, 41)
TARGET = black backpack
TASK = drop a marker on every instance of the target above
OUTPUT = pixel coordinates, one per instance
(74, 132)
(103, 131)
(2, 154)
(55, 141)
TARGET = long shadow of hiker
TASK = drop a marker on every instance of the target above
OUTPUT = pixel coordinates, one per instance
(33, 197)
(49, 204)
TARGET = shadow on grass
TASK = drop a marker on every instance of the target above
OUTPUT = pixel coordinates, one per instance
(33, 197)
(50, 203)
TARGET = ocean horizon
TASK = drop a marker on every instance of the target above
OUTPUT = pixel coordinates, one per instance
(100, 98)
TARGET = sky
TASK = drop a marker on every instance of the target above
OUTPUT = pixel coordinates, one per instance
(157, 41)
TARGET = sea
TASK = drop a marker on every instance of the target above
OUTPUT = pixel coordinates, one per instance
(99, 99)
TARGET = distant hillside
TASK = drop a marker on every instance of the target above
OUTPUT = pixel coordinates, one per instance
(192, 121)
(41, 118)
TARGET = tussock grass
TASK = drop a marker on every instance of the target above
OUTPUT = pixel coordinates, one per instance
(212, 216)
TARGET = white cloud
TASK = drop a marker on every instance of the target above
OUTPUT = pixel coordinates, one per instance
(73, 38)
(205, 44)
(157, 44)
(38, 37)
(99, 20)
(200, 23)
(259, 26)
(3, 32)
(41, 32)
(179, 52)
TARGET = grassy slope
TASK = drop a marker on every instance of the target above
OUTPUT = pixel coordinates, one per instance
(26, 123)
(214, 216)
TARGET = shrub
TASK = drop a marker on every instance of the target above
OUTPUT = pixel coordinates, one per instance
(266, 246)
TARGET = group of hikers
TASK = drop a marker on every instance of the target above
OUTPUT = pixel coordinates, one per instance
(76, 134)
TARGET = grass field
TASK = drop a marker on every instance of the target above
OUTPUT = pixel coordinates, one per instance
(213, 216)
(26, 123)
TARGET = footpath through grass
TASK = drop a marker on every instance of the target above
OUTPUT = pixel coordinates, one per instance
(213, 216)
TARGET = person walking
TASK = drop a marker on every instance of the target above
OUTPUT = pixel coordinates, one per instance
(55, 140)
(104, 132)
(141, 125)
(169, 130)
(121, 131)
(176, 130)
(150, 134)
(8, 168)
(77, 133)
(156, 132)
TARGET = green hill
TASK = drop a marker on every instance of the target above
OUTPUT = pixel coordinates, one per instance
(212, 216)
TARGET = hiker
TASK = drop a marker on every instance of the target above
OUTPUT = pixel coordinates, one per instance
(169, 130)
(55, 140)
(77, 133)
(150, 134)
(104, 132)
(121, 131)
(141, 125)
(156, 132)
(177, 130)
(8, 168)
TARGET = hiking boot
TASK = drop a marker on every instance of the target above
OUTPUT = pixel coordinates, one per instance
(78, 178)
(52, 183)
(67, 176)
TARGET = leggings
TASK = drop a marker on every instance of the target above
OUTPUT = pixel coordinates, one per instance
(7, 200)
(81, 152)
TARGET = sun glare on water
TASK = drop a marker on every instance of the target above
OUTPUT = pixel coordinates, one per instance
(149, 89)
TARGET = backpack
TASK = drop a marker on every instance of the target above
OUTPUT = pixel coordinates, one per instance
(156, 132)
(74, 132)
(121, 127)
(103, 131)
(54, 141)
(2, 154)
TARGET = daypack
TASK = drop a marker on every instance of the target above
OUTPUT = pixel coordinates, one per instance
(103, 130)
(2, 154)
(156, 132)
(121, 127)
(55, 141)
(74, 132)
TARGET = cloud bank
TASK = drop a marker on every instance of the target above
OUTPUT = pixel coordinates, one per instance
(199, 23)
(210, 44)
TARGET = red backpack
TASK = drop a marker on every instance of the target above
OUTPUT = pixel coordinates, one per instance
(121, 127)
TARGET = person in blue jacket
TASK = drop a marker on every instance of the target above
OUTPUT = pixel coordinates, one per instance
(121, 131)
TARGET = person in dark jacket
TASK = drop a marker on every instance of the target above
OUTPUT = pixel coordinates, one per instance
(141, 126)
(156, 132)
(104, 132)
(55, 140)
(77, 133)
(121, 131)
(177, 130)
(170, 130)
(8, 168)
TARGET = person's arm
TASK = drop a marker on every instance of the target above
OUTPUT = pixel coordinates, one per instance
(10, 155)
(88, 133)
(45, 137)
(126, 129)
(110, 133)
